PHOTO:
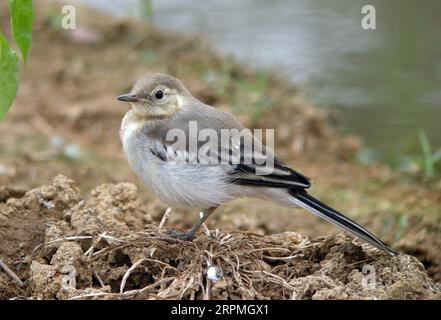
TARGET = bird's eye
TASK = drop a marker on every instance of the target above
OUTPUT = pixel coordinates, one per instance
(159, 94)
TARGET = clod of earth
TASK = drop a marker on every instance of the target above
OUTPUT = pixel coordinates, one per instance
(104, 246)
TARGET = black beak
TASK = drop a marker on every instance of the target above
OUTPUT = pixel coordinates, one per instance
(128, 98)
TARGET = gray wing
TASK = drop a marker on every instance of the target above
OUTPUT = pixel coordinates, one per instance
(244, 158)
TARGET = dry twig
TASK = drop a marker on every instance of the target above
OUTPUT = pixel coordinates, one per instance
(10, 273)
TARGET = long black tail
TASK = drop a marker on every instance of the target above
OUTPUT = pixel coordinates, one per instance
(308, 202)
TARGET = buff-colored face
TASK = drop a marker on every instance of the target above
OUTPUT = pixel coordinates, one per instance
(156, 97)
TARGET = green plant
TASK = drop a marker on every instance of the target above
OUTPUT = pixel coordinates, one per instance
(429, 159)
(22, 14)
(146, 10)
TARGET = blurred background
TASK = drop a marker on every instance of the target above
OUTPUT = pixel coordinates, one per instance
(384, 84)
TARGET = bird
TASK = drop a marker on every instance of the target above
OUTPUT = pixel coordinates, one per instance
(158, 136)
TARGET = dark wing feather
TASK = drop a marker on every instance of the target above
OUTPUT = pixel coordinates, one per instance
(281, 176)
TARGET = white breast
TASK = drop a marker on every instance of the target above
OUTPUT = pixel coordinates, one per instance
(177, 184)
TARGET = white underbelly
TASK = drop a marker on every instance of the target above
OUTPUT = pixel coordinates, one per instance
(186, 185)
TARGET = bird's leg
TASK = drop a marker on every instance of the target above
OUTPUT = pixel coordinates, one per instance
(189, 235)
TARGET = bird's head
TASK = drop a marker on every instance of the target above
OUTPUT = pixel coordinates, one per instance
(156, 96)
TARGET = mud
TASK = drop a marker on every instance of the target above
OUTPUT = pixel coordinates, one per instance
(104, 246)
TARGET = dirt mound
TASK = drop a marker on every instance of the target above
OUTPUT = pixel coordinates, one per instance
(66, 120)
(104, 246)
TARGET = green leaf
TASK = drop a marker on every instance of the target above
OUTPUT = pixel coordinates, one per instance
(8, 75)
(146, 10)
(427, 154)
(22, 15)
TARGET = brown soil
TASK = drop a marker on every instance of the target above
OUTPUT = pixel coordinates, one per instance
(66, 120)
(104, 247)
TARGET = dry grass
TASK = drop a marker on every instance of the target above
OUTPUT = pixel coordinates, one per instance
(100, 247)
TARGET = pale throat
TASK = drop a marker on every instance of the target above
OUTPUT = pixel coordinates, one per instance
(156, 112)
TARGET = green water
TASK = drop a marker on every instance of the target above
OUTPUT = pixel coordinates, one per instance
(384, 84)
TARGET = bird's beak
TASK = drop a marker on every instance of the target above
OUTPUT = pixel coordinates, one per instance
(128, 97)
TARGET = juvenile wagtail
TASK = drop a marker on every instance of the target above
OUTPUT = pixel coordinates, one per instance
(161, 105)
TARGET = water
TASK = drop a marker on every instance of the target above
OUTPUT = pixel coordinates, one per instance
(385, 84)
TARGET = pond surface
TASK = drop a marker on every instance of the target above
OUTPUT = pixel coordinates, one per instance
(385, 84)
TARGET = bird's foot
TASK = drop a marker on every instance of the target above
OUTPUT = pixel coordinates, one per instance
(185, 236)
